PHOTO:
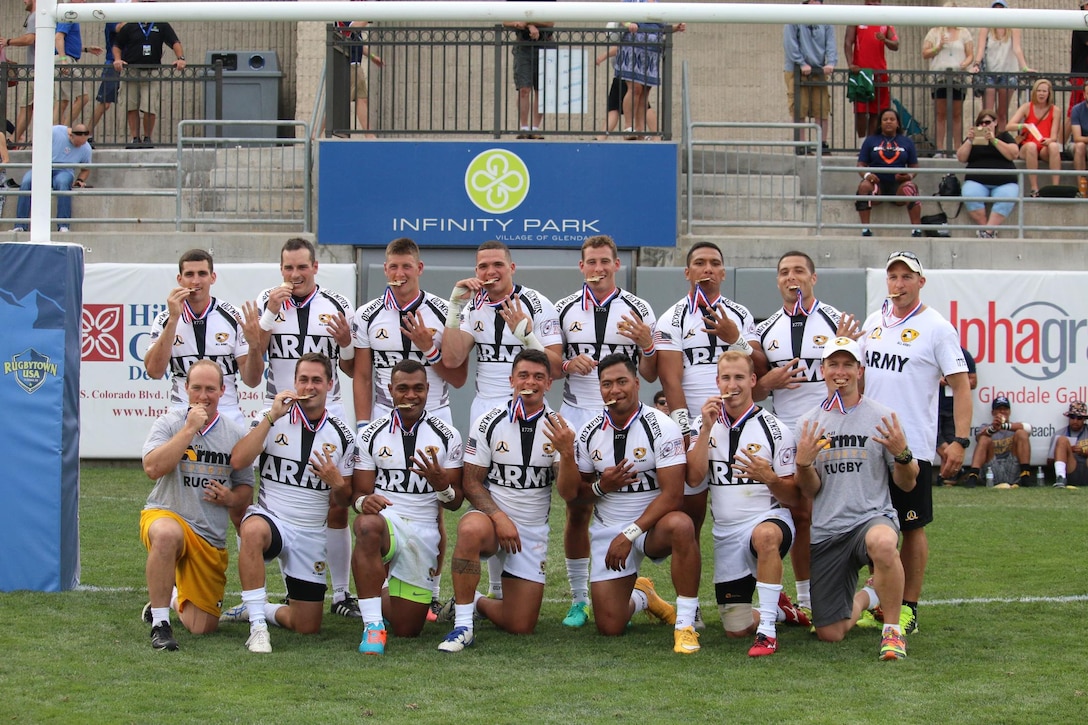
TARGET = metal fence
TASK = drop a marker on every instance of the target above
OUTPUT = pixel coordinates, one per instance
(915, 93)
(460, 81)
(95, 95)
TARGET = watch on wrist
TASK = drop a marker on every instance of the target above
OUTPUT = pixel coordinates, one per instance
(964, 442)
(905, 457)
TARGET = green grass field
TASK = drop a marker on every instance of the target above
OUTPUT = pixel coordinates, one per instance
(1001, 630)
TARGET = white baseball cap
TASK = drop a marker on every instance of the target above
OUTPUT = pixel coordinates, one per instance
(842, 344)
(908, 258)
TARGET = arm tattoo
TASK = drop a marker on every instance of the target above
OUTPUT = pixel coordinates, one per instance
(465, 566)
(475, 491)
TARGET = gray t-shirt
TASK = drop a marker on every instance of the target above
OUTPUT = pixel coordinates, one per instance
(854, 470)
(206, 459)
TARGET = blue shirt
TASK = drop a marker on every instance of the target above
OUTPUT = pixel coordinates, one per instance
(73, 40)
(65, 152)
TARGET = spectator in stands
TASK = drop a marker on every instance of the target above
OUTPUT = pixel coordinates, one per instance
(1078, 62)
(660, 402)
(888, 149)
(26, 40)
(139, 45)
(107, 89)
(1005, 446)
(1078, 137)
(531, 38)
(69, 147)
(638, 64)
(999, 52)
(1040, 127)
(810, 51)
(948, 49)
(985, 149)
(69, 49)
(358, 54)
(1069, 449)
(865, 46)
(618, 90)
(946, 419)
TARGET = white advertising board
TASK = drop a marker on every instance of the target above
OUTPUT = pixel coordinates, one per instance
(118, 401)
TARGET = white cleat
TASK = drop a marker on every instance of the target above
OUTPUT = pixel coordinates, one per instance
(259, 641)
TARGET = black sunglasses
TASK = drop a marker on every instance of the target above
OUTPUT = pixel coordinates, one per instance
(908, 255)
(81, 133)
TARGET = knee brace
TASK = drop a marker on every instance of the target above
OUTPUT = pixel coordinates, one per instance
(736, 617)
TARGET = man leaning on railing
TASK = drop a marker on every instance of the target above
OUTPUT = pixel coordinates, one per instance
(139, 45)
(69, 147)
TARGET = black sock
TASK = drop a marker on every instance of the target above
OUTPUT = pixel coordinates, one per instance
(913, 606)
(970, 471)
(1025, 468)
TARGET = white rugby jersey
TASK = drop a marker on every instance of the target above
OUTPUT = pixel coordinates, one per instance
(590, 327)
(289, 489)
(518, 458)
(302, 326)
(377, 327)
(215, 335)
(496, 345)
(904, 363)
(386, 447)
(649, 440)
(681, 329)
(785, 337)
(736, 501)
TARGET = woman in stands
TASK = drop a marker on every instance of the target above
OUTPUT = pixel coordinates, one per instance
(1040, 127)
(987, 148)
(948, 49)
(998, 53)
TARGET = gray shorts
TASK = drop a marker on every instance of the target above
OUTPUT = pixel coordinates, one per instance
(526, 64)
(834, 573)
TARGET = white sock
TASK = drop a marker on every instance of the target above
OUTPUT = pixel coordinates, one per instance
(874, 600)
(804, 596)
(462, 615)
(578, 576)
(160, 615)
(436, 590)
(270, 611)
(255, 599)
(641, 602)
(768, 607)
(1059, 469)
(371, 609)
(338, 543)
(685, 611)
(174, 600)
(893, 629)
(494, 576)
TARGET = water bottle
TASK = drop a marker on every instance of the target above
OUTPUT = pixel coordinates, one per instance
(1040, 480)
(989, 477)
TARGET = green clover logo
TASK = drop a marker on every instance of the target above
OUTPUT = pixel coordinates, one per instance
(497, 181)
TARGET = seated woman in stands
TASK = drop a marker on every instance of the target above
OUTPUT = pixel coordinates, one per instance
(985, 148)
(1040, 125)
(886, 159)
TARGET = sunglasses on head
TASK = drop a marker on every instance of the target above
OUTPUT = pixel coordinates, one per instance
(908, 255)
(81, 133)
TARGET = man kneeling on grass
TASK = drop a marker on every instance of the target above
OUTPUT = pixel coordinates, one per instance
(843, 457)
(184, 524)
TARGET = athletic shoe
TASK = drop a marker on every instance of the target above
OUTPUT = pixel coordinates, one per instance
(259, 642)
(916, 233)
(866, 232)
(1059, 482)
(1004, 486)
(763, 646)
(432, 613)
(237, 613)
(374, 637)
(892, 646)
(656, 607)
(445, 611)
(971, 480)
(457, 640)
(1025, 479)
(346, 607)
(162, 637)
(577, 615)
(868, 621)
(908, 620)
(794, 615)
(699, 624)
(685, 641)
(145, 613)
(63, 228)
(807, 611)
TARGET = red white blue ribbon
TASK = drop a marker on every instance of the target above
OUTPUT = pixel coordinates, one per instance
(799, 305)
(699, 299)
(835, 403)
(723, 416)
(589, 300)
(890, 320)
(188, 315)
(517, 411)
(299, 416)
(392, 304)
(609, 422)
(309, 298)
(210, 425)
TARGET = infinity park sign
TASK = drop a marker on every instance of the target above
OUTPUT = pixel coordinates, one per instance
(526, 194)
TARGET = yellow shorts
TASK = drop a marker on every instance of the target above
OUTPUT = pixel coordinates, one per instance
(201, 571)
(397, 587)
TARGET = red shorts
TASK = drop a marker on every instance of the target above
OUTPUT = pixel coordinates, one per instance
(883, 96)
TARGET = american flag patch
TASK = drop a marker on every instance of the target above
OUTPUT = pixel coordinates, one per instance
(661, 336)
(470, 446)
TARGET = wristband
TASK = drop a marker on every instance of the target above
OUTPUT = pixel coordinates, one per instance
(347, 353)
(596, 488)
(528, 339)
(268, 320)
(741, 345)
(1006, 426)
(566, 364)
(446, 495)
(651, 350)
(632, 532)
(680, 415)
(433, 355)
(359, 425)
(357, 507)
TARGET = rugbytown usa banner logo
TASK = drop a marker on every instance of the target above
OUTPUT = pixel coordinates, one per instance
(30, 369)
(497, 181)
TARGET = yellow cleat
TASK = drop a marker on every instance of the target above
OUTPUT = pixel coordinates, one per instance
(685, 641)
(656, 607)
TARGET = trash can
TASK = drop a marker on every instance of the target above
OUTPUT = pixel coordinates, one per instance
(251, 92)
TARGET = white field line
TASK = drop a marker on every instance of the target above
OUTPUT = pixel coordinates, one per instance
(931, 603)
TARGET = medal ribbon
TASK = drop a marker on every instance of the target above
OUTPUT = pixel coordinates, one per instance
(610, 423)
(589, 300)
(298, 416)
(397, 423)
(698, 299)
(391, 301)
(210, 425)
(886, 314)
(188, 315)
(723, 417)
(799, 306)
(293, 302)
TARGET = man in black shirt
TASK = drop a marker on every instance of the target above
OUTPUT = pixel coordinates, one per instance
(139, 45)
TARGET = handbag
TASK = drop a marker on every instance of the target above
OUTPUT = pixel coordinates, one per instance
(948, 186)
(936, 219)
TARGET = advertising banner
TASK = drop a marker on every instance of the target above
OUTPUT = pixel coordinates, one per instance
(1028, 333)
(39, 390)
(118, 400)
(526, 194)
